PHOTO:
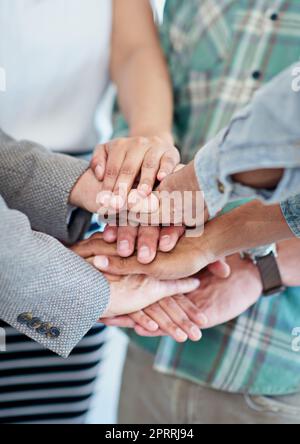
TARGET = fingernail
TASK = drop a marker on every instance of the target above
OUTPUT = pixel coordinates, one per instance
(144, 253)
(203, 320)
(144, 190)
(101, 262)
(109, 236)
(161, 175)
(104, 198)
(165, 241)
(195, 333)
(181, 336)
(99, 172)
(123, 246)
(153, 326)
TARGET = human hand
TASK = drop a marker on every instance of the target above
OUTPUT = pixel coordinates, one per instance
(189, 257)
(146, 241)
(177, 200)
(176, 317)
(221, 300)
(119, 163)
(216, 302)
(132, 293)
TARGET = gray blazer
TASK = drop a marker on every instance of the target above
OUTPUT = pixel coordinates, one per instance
(46, 292)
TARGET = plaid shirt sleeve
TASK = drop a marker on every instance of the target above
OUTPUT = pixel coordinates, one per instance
(260, 136)
(291, 212)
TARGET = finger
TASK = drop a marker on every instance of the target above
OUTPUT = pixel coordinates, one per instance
(169, 236)
(180, 318)
(163, 267)
(168, 163)
(119, 265)
(129, 171)
(220, 269)
(93, 247)
(165, 323)
(143, 320)
(110, 234)
(126, 240)
(174, 287)
(140, 331)
(98, 163)
(192, 311)
(120, 321)
(147, 244)
(113, 166)
(146, 205)
(149, 171)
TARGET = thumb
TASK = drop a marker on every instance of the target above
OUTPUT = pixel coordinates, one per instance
(220, 269)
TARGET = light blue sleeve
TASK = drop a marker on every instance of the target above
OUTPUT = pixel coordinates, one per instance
(266, 134)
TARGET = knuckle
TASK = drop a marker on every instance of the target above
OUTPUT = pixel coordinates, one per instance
(170, 303)
(169, 160)
(150, 163)
(141, 141)
(111, 172)
(128, 170)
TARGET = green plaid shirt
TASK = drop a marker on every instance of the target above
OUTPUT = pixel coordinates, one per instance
(220, 52)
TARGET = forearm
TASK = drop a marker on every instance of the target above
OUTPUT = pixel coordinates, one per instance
(246, 227)
(139, 70)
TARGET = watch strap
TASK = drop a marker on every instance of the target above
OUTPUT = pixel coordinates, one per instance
(270, 275)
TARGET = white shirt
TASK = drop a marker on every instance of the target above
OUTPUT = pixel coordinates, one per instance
(55, 55)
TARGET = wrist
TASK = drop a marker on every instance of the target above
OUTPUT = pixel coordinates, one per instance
(265, 179)
(164, 134)
(251, 271)
(85, 191)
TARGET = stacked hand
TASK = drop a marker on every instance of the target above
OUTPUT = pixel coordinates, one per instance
(217, 301)
(162, 287)
(130, 294)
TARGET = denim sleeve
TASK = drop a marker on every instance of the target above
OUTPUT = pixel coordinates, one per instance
(291, 212)
(266, 134)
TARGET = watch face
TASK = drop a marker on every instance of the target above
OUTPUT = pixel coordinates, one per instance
(263, 251)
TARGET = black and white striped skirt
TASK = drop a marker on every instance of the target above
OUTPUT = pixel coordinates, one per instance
(37, 386)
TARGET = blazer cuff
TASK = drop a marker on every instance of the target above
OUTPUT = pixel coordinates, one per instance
(68, 314)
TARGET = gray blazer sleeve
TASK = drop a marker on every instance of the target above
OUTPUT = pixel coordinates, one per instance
(38, 183)
(63, 294)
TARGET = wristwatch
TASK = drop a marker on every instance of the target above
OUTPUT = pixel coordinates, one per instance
(265, 258)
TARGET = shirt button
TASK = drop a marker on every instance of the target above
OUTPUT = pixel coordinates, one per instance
(256, 75)
(221, 187)
(24, 318)
(44, 328)
(34, 324)
(274, 16)
(53, 333)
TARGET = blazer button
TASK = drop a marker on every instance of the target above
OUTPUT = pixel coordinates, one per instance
(24, 318)
(53, 333)
(43, 329)
(34, 324)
